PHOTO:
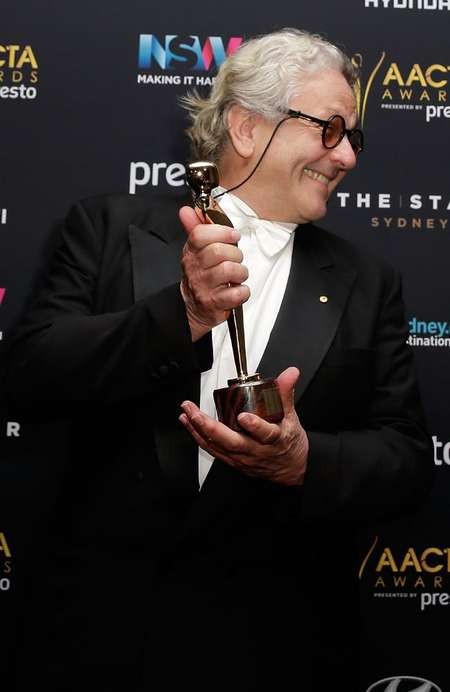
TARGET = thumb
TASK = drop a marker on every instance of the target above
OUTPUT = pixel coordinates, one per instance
(286, 383)
(188, 218)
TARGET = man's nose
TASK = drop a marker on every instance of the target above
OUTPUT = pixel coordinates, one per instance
(344, 155)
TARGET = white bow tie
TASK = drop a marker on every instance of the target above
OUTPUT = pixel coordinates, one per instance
(271, 236)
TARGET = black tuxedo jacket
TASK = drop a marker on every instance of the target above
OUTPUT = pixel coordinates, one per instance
(244, 585)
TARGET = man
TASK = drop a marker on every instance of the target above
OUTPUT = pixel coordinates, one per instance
(190, 555)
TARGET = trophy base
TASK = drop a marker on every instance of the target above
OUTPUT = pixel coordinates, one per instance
(251, 395)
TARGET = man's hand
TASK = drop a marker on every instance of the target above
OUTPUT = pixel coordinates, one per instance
(275, 452)
(210, 263)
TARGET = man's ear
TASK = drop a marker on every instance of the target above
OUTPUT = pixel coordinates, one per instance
(241, 130)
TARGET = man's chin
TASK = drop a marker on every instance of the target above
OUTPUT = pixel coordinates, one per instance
(307, 215)
(316, 214)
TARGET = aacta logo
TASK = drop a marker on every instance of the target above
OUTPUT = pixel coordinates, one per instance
(187, 52)
(18, 71)
(426, 76)
(4, 547)
(17, 57)
(401, 85)
(5, 563)
(410, 568)
(404, 683)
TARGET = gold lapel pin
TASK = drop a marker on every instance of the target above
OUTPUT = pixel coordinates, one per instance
(323, 299)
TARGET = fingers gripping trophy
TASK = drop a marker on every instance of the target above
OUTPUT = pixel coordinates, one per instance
(245, 393)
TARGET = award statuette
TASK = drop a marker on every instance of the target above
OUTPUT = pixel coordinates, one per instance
(245, 393)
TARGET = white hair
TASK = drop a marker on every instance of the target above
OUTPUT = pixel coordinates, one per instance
(262, 76)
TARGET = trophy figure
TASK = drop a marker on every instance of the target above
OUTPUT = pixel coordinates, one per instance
(245, 393)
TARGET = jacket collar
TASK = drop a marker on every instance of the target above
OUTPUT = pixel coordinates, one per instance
(156, 242)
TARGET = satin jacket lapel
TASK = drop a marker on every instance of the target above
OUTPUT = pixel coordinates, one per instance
(155, 260)
(315, 298)
(155, 257)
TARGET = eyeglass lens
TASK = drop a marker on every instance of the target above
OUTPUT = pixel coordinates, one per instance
(335, 131)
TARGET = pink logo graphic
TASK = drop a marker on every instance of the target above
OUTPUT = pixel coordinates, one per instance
(2, 294)
(213, 48)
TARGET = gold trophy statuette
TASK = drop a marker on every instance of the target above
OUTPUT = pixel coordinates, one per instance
(245, 393)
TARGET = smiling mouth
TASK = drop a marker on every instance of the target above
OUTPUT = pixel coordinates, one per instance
(314, 175)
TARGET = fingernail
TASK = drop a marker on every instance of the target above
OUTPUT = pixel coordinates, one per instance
(186, 406)
(235, 235)
(245, 418)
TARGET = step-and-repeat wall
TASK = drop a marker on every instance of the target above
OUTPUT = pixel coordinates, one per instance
(89, 104)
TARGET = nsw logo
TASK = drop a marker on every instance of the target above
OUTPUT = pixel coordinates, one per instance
(175, 51)
(404, 683)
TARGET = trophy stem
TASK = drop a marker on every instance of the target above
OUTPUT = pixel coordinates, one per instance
(237, 336)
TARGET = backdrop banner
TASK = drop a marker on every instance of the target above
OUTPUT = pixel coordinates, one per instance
(89, 105)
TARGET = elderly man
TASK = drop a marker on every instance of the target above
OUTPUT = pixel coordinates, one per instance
(192, 555)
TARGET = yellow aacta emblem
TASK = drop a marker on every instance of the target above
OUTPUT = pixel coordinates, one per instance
(4, 547)
(362, 91)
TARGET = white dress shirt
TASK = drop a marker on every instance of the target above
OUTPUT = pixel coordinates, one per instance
(267, 249)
